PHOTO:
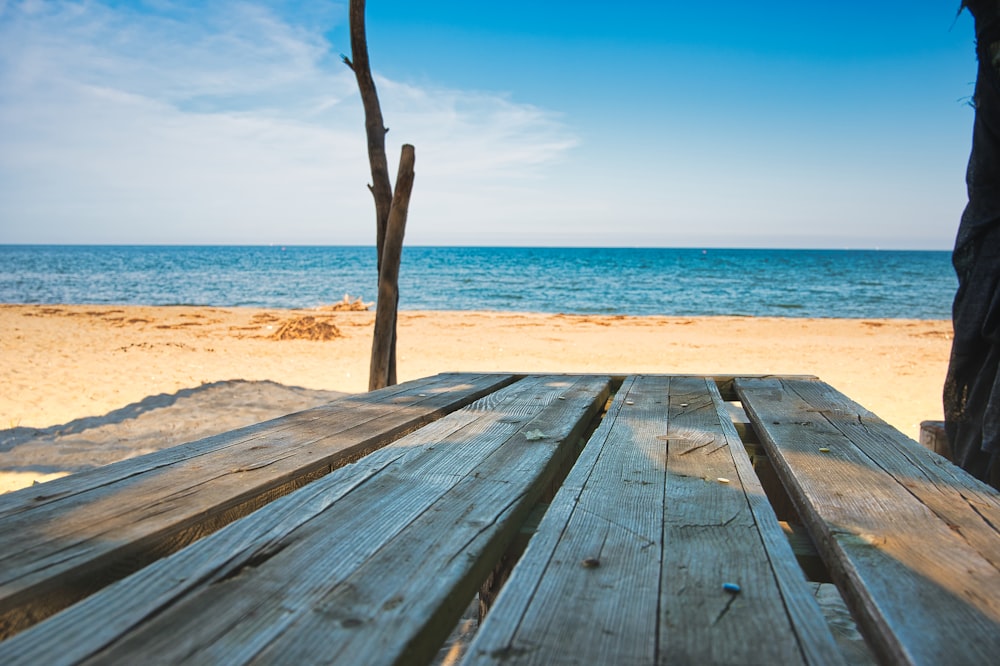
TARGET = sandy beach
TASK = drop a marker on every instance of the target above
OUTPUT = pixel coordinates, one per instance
(85, 385)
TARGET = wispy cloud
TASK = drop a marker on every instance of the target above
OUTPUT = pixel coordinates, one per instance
(231, 123)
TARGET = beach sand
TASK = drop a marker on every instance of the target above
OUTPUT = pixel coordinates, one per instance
(86, 385)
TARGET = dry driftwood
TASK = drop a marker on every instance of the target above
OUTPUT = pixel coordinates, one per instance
(390, 210)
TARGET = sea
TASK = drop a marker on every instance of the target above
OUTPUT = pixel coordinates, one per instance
(607, 281)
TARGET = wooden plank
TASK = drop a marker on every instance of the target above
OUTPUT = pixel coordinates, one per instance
(543, 598)
(62, 540)
(911, 540)
(775, 618)
(629, 562)
(372, 564)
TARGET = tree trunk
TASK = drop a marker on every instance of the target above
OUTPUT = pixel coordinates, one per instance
(390, 211)
(972, 385)
(374, 126)
(383, 368)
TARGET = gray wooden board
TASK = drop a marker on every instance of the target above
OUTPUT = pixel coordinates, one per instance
(373, 563)
(911, 540)
(62, 540)
(629, 562)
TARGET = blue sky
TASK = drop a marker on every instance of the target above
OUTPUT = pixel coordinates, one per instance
(726, 124)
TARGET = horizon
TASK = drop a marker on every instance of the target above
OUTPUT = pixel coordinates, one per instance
(701, 248)
(647, 125)
(764, 282)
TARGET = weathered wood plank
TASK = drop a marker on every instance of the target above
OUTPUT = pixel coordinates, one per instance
(911, 540)
(726, 532)
(373, 563)
(65, 539)
(555, 586)
(629, 562)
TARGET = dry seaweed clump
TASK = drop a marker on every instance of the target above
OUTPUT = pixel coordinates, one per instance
(348, 305)
(306, 328)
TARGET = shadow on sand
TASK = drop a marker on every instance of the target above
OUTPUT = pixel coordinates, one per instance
(155, 422)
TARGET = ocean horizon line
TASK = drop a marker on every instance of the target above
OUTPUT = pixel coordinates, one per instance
(487, 246)
(893, 284)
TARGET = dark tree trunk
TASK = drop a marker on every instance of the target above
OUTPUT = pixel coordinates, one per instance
(374, 126)
(972, 385)
(383, 370)
(390, 210)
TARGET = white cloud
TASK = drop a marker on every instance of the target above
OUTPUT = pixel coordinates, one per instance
(235, 122)
(228, 124)
(498, 138)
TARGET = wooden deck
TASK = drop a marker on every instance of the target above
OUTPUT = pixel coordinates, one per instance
(358, 533)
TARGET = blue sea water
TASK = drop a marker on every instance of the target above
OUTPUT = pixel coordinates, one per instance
(679, 282)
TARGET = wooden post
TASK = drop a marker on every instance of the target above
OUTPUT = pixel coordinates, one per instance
(933, 437)
(383, 368)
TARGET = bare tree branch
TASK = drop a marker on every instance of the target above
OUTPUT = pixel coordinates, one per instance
(383, 367)
(390, 210)
(374, 126)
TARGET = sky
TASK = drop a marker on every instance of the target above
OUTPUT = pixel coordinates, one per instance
(827, 124)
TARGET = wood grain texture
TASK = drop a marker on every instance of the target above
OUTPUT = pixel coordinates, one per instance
(629, 562)
(911, 540)
(373, 563)
(62, 540)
